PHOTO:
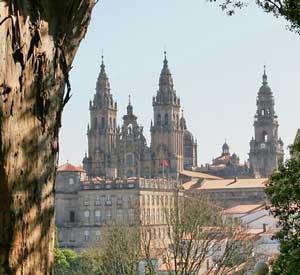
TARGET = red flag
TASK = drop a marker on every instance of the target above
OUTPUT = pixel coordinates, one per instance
(165, 163)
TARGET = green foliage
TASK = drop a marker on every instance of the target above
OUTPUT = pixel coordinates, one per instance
(283, 192)
(288, 9)
(65, 261)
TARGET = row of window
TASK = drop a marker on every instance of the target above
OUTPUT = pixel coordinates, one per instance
(166, 119)
(101, 124)
(108, 214)
(108, 200)
(155, 216)
(163, 200)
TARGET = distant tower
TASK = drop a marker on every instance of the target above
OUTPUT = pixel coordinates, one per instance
(266, 149)
(225, 149)
(166, 131)
(102, 131)
(134, 158)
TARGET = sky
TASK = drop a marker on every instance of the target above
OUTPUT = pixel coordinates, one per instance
(216, 62)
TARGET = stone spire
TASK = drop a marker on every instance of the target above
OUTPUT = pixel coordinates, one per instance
(265, 77)
(165, 80)
(129, 106)
(183, 121)
(103, 85)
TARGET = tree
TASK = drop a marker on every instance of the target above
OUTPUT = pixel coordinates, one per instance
(288, 9)
(116, 253)
(283, 191)
(200, 238)
(65, 261)
(38, 42)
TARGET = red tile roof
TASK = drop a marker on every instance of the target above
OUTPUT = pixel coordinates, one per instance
(67, 167)
(198, 175)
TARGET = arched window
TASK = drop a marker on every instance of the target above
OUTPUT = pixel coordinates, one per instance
(158, 120)
(177, 121)
(263, 112)
(110, 122)
(95, 122)
(265, 136)
(166, 119)
(129, 159)
(114, 123)
(102, 123)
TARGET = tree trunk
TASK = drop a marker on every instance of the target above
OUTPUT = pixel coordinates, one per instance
(38, 41)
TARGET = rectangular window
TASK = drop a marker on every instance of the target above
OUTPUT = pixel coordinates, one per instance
(108, 214)
(97, 216)
(72, 216)
(119, 214)
(108, 200)
(97, 201)
(98, 235)
(86, 200)
(131, 215)
(86, 235)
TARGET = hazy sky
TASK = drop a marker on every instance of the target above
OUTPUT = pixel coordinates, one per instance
(216, 61)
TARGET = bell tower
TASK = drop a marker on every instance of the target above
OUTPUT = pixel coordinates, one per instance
(266, 149)
(166, 129)
(102, 130)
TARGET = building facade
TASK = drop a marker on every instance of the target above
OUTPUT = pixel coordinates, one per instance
(84, 208)
(115, 151)
(266, 148)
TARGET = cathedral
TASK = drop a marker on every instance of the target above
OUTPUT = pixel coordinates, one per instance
(122, 151)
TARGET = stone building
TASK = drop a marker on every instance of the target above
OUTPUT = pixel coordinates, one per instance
(226, 165)
(85, 206)
(123, 151)
(266, 148)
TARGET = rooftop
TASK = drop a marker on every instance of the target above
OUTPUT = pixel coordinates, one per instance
(244, 209)
(198, 175)
(227, 184)
(67, 167)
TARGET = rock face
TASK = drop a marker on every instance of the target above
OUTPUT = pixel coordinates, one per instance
(38, 42)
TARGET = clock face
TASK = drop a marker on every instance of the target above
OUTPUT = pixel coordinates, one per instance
(262, 145)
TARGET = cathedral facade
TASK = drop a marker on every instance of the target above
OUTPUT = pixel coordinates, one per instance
(115, 151)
